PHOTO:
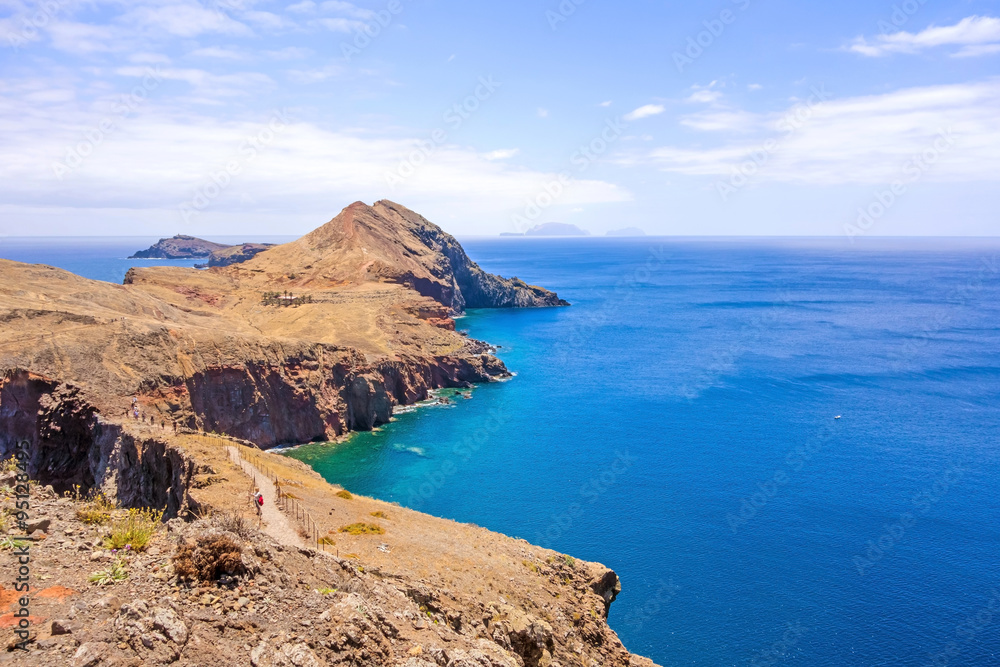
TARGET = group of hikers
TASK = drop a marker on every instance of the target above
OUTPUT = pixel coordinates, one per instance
(135, 414)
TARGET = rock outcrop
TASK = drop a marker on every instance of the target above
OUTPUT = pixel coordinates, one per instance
(180, 247)
(390, 243)
(236, 254)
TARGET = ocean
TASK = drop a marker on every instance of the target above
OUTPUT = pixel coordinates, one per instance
(679, 423)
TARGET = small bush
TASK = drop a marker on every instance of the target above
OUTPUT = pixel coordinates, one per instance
(97, 510)
(9, 465)
(232, 522)
(209, 559)
(380, 515)
(570, 561)
(363, 529)
(304, 533)
(326, 539)
(110, 575)
(345, 494)
(135, 528)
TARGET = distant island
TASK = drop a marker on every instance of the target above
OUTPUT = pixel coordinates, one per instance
(551, 229)
(182, 246)
(626, 231)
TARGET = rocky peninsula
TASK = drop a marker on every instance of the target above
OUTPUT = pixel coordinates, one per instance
(303, 341)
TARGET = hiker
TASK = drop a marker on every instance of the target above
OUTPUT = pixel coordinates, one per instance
(258, 503)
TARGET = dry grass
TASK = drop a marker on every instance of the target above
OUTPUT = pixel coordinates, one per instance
(380, 515)
(345, 494)
(363, 529)
(208, 559)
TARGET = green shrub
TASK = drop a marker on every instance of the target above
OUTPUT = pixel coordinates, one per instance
(134, 530)
(363, 529)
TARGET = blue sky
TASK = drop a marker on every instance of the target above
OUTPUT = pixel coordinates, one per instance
(735, 117)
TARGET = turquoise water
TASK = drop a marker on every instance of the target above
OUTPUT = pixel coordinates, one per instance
(677, 424)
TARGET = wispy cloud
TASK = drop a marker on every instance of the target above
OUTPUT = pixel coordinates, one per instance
(859, 140)
(978, 35)
(645, 112)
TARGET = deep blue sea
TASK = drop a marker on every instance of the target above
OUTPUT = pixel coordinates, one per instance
(677, 423)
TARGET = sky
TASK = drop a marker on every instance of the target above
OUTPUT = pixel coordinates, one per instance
(730, 117)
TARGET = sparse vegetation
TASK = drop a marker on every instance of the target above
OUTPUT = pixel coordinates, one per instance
(380, 515)
(326, 591)
(7, 543)
(9, 465)
(326, 539)
(570, 561)
(363, 529)
(235, 523)
(97, 510)
(134, 530)
(112, 574)
(345, 494)
(208, 559)
(286, 299)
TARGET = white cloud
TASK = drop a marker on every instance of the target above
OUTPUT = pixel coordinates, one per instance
(341, 24)
(863, 139)
(754, 86)
(605, 104)
(501, 154)
(645, 112)
(304, 7)
(154, 160)
(184, 20)
(980, 35)
(543, 113)
(289, 53)
(219, 53)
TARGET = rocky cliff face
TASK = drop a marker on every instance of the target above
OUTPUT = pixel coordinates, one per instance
(72, 446)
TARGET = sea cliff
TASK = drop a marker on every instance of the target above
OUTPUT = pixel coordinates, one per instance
(143, 390)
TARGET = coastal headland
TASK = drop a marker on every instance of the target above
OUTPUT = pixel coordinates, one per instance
(145, 391)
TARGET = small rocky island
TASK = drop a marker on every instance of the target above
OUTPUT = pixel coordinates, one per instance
(182, 246)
